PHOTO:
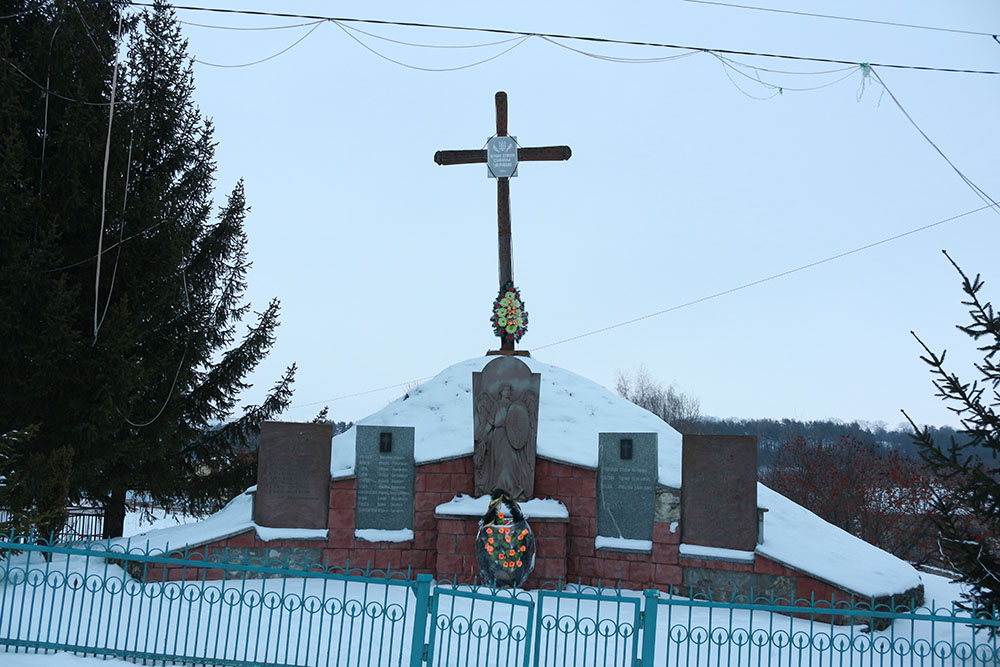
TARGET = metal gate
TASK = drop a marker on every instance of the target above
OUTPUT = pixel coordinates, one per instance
(488, 628)
(587, 627)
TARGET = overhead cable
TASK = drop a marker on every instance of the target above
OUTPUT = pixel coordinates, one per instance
(288, 48)
(686, 304)
(348, 30)
(991, 203)
(844, 18)
(582, 38)
(761, 281)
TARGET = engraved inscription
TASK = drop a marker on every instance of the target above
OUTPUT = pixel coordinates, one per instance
(626, 487)
(385, 478)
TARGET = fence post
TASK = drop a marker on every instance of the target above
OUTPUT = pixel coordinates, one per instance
(649, 609)
(422, 590)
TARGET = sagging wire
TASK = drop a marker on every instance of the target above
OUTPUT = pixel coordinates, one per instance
(177, 373)
(166, 401)
(617, 59)
(975, 188)
(45, 119)
(583, 38)
(232, 27)
(47, 91)
(121, 229)
(348, 31)
(288, 48)
(735, 66)
(433, 46)
(104, 180)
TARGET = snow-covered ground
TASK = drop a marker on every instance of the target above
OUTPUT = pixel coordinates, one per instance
(142, 521)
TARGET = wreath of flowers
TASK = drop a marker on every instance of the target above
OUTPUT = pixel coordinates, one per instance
(506, 546)
(510, 319)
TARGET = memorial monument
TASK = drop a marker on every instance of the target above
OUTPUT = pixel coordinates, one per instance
(612, 492)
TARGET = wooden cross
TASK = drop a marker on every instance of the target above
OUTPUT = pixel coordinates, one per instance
(538, 154)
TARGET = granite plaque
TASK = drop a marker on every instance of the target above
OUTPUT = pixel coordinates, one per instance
(626, 485)
(384, 469)
(505, 427)
(293, 475)
(719, 491)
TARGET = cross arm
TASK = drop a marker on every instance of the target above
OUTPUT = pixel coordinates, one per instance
(461, 157)
(543, 153)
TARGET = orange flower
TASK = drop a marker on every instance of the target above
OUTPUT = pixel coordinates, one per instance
(519, 563)
(508, 539)
(490, 540)
(511, 552)
(500, 514)
(501, 555)
(523, 548)
(489, 531)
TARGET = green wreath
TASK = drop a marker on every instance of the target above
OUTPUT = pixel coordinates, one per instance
(510, 319)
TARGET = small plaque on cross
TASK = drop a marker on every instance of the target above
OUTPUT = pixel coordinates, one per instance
(501, 157)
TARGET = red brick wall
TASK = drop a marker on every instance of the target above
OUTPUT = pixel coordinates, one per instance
(576, 487)
(445, 547)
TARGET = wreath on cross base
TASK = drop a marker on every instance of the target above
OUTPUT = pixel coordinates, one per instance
(510, 319)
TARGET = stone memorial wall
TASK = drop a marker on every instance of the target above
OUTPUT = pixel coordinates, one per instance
(385, 472)
(626, 485)
(719, 479)
(293, 475)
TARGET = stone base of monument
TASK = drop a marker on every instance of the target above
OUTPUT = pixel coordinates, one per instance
(508, 353)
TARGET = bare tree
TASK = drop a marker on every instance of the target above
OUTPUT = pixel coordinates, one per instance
(673, 406)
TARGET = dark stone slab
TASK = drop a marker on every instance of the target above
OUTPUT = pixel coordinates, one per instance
(505, 421)
(719, 491)
(722, 585)
(384, 468)
(293, 475)
(626, 485)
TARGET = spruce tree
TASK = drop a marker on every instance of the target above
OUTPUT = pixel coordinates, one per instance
(136, 384)
(55, 65)
(967, 505)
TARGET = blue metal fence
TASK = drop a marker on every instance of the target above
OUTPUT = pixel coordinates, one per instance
(226, 609)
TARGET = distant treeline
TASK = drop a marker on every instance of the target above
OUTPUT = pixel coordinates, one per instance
(772, 433)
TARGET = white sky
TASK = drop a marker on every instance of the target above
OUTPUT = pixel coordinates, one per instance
(680, 186)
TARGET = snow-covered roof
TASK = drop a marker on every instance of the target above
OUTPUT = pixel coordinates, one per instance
(572, 410)
(801, 540)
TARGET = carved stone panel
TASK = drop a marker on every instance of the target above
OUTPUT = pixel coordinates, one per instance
(385, 473)
(719, 491)
(626, 485)
(293, 475)
(505, 420)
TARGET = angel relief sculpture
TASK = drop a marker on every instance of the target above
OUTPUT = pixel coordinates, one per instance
(506, 423)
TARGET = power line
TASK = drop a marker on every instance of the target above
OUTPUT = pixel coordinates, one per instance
(291, 46)
(687, 304)
(844, 18)
(347, 31)
(990, 202)
(768, 278)
(582, 38)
